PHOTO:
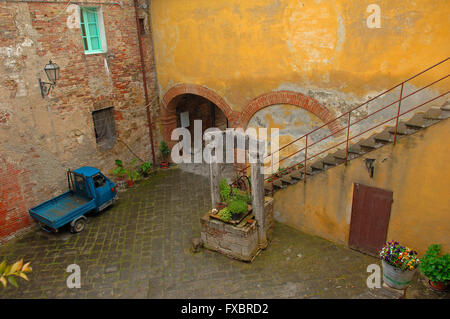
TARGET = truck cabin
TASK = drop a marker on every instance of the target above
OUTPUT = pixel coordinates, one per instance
(89, 182)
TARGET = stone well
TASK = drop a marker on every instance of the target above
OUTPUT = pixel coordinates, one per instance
(237, 241)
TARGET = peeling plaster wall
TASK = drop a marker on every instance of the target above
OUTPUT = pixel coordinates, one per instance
(323, 49)
(292, 123)
(40, 139)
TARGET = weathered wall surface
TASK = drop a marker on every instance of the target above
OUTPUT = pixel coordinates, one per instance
(416, 169)
(39, 139)
(322, 49)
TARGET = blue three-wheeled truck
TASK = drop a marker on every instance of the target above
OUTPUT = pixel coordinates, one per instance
(89, 191)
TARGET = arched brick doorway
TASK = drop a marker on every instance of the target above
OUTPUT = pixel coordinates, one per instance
(178, 94)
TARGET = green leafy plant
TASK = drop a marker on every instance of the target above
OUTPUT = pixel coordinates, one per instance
(225, 214)
(164, 149)
(236, 193)
(128, 170)
(145, 168)
(8, 273)
(131, 171)
(224, 190)
(237, 206)
(119, 171)
(434, 266)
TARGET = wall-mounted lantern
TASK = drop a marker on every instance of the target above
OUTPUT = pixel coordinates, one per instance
(369, 165)
(52, 71)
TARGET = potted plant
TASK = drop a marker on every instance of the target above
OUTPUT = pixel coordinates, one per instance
(145, 169)
(132, 173)
(165, 152)
(436, 268)
(119, 171)
(399, 264)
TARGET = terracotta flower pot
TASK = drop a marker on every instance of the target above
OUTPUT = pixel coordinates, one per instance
(438, 286)
(164, 164)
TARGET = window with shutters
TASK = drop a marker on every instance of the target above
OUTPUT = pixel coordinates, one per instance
(92, 30)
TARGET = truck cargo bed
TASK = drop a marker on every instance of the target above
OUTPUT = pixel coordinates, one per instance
(56, 211)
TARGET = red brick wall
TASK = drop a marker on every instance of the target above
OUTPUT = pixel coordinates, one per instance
(13, 202)
(39, 141)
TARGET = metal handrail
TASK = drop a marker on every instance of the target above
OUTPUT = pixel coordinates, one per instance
(349, 124)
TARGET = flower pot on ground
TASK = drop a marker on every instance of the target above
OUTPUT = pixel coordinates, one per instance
(399, 265)
(164, 164)
(128, 172)
(436, 268)
(165, 152)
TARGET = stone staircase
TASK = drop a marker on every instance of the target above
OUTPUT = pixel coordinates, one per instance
(419, 121)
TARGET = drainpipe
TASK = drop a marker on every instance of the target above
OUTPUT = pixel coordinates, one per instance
(147, 102)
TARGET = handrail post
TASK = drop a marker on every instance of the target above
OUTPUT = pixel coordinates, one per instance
(398, 112)
(306, 157)
(348, 135)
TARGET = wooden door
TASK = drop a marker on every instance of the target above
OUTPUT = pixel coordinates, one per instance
(369, 223)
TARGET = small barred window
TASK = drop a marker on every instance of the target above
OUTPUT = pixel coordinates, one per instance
(105, 128)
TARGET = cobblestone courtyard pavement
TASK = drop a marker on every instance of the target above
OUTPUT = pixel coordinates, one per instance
(140, 249)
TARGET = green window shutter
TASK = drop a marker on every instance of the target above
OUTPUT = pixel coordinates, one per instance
(90, 32)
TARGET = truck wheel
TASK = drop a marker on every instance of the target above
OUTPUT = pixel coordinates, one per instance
(78, 226)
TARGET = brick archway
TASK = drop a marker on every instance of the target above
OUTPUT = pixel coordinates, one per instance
(292, 98)
(168, 110)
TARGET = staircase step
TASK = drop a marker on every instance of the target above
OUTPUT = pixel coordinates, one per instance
(417, 121)
(384, 137)
(288, 180)
(278, 184)
(433, 113)
(401, 129)
(368, 143)
(330, 160)
(355, 149)
(268, 186)
(340, 154)
(309, 171)
(445, 111)
(296, 175)
(317, 165)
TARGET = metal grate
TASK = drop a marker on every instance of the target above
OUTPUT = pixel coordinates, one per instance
(105, 128)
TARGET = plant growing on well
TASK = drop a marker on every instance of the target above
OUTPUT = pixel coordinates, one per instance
(225, 214)
(237, 206)
(236, 193)
(399, 256)
(435, 266)
(9, 273)
(224, 190)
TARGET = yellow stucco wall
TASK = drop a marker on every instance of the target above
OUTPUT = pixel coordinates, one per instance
(417, 170)
(242, 49)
